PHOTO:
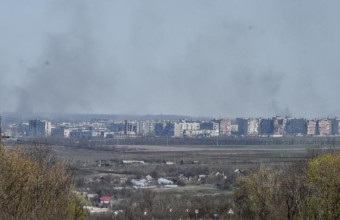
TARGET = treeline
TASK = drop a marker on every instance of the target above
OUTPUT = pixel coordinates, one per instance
(101, 143)
(309, 190)
(314, 141)
(35, 185)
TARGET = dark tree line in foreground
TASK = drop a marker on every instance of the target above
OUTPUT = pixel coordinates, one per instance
(35, 185)
(309, 190)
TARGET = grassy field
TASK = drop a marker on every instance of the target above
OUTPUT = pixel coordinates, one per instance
(208, 154)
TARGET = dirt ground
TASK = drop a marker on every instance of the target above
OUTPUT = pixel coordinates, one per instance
(212, 158)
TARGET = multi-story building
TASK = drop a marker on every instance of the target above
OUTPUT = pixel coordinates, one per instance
(312, 127)
(234, 128)
(159, 128)
(338, 126)
(266, 126)
(146, 128)
(225, 127)
(207, 129)
(165, 129)
(39, 128)
(242, 126)
(117, 127)
(130, 128)
(211, 125)
(279, 126)
(169, 129)
(253, 127)
(58, 132)
(335, 126)
(180, 127)
(325, 127)
(248, 126)
(296, 126)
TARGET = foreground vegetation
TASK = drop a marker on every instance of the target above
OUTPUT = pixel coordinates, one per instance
(304, 190)
(34, 185)
(309, 190)
(271, 183)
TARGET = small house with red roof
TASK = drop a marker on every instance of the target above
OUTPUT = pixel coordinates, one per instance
(105, 199)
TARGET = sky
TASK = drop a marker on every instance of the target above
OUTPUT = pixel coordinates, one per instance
(218, 58)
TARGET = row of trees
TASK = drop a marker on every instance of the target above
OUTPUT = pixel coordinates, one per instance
(35, 185)
(106, 144)
(307, 190)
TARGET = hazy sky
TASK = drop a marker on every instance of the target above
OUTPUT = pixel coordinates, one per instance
(215, 58)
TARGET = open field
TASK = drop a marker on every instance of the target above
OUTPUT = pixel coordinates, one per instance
(227, 155)
(201, 174)
(145, 151)
(188, 159)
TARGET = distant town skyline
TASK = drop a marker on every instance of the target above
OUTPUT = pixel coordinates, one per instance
(156, 127)
(222, 59)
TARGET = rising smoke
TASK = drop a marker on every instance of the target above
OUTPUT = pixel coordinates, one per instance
(213, 58)
(67, 77)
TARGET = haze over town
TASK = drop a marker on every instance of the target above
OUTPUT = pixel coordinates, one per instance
(152, 109)
(200, 58)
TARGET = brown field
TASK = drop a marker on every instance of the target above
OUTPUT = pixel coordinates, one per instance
(208, 159)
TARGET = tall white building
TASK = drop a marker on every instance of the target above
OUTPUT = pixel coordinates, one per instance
(181, 127)
(253, 127)
(146, 128)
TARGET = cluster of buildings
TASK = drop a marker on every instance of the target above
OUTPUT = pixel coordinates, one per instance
(274, 127)
(278, 126)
